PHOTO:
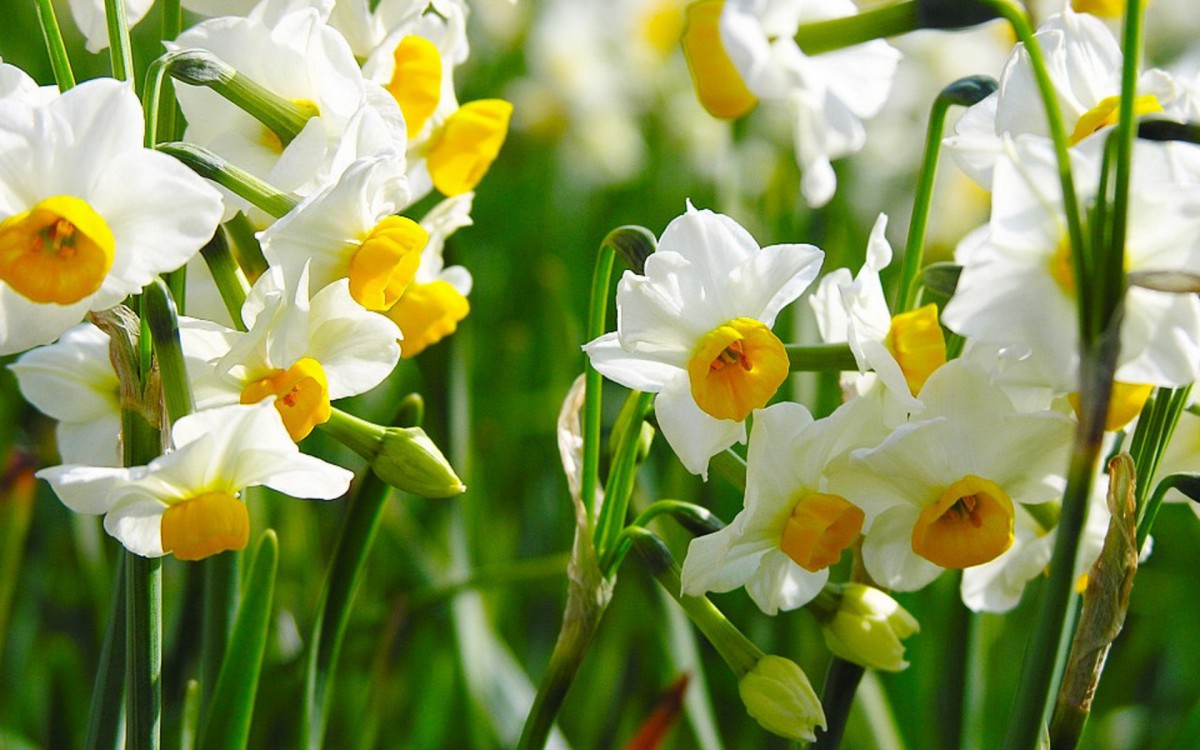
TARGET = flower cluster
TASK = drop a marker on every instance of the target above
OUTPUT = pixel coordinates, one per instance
(347, 118)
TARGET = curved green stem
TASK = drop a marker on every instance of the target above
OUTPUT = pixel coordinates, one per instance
(622, 473)
(593, 381)
(966, 92)
(821, 357)
(243, 184)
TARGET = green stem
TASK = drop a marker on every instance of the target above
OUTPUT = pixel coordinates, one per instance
(965, 92)
(837, 696)
(172, 24)
(821, 357)
(119, 49)
(221, 574)
(735, 649)
(108, 691)
(164, 330)
(143, 614)
(231, 283)
(847, 31)
(593, 381)
(1018, 18)
(235, 179)
(621, 475)
(696, 519)
(333, 613)
(731, 467)
(60, 63)
(245, 246)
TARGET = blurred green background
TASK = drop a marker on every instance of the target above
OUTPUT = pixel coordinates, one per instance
(463, 598)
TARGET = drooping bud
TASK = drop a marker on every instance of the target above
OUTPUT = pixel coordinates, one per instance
(864, 625)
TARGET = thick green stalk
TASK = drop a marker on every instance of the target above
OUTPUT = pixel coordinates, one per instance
(227, 275)
(847, 31)
(965, 92)
(119, 49)
(164, 330)
(60, 63)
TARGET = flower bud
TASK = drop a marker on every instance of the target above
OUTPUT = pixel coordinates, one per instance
(867, 628)
(779, 696)
(408, 460)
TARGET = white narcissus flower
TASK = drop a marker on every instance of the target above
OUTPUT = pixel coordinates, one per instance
(302, 354)
(186, 502)
(1083, 60)
(828, 95)
(1017, 287)
(941, 492)
(287, 47)
(792, 529)
(903, 350)
(696, 330)
(436, 302)
(88, 215)
(73, 381)
(348, 229)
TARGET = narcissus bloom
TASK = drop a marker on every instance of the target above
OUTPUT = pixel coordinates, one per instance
(73, 381)
(941, 492)
(903, 350)
(1017, 287)
(87, 214)
(1083, 60)
(792, 529)
(436, 302)
(350, 229)
(301, 353)
(696, 329)
(745, 51)
(186, 502)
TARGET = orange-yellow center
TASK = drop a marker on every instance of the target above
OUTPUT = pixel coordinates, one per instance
(719, 86)
(301, 396)
(820, 527)
(1105, 113)
(426, 314)
(737, 367)
(970, 524)
(464, 147)
(916, 341)
(205, 525)
(1125, 403)
(416, 83)
(386, 262)
(59, 251)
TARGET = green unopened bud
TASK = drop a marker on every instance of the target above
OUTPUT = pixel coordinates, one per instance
(864, 625)
(779, 696)
(634, 244)
(404, 457)
(409, 460)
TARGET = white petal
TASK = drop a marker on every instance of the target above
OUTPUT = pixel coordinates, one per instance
(780, 583)
(137, 524)
(772, 278)
(357, 348)
(71, 380)
(721, 562)
(693, 435)
(888, 555)
(639, 372)
(87, 489)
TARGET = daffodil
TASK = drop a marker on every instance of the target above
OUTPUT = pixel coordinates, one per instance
(350, 229)
(289, 49)
(88, 215)
(1017, 286)
(903, 350)
(1083, 60)
(186, 502)
(942, 492)
(752, 56)
(303, 354)
(73, 381)
(696, 330)
(792, 528)
(436, 302)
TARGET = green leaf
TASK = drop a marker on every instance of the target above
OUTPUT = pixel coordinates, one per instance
(227, 724)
